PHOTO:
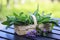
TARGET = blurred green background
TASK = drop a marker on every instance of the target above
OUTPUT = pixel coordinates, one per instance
(7, 7)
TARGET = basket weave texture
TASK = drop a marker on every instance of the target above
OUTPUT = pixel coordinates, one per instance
(22, 30)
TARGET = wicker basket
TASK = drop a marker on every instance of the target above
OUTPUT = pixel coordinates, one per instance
(22, 30)
(46, 27)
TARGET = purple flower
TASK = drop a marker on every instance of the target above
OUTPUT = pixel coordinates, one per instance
(31, 33)
(34, 31)
(44, 30)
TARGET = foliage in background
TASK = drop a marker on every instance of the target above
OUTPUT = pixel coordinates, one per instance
(53, 8)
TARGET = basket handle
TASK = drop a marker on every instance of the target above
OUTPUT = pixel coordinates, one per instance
(34, 19)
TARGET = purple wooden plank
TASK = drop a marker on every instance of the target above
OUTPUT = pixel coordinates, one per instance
(55, 31)
(8, 30)
(54, 36)
(6, 35)
(2, 39)
(55, 27)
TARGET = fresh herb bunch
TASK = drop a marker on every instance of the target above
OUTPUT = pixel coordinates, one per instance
(18, 19)
(41, 18)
